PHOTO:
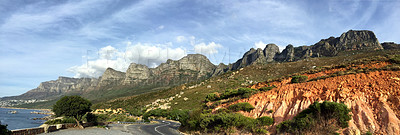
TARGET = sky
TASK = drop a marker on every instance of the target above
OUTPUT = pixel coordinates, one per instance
(43, 39)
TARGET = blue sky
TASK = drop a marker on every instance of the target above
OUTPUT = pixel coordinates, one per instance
(43, 39)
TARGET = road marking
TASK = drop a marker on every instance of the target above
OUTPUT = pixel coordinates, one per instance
(160, 126)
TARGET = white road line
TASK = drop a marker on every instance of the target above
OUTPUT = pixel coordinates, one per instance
(160, 126)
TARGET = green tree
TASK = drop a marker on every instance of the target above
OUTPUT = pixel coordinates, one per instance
(72, 106)
(4, 130)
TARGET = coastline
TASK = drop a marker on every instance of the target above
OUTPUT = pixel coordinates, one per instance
(49, 110)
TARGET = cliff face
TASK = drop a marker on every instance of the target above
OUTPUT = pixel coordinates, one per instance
(373, 97)
(136, 74)
(111, 77)
(60, 86)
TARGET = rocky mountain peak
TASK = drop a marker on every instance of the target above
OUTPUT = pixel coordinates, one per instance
(286, 55)
(136, 73)
(358, 39)
(252, 56)
(270, 51)
(112, 74)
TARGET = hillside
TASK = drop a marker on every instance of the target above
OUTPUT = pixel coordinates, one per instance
(371, 90)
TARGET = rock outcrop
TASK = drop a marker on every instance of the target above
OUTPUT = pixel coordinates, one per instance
(111, 77)
(136, 73)
(286, 55)
(252, 56)
(270, 52)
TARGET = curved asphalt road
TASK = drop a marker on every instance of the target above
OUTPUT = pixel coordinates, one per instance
(161, 128)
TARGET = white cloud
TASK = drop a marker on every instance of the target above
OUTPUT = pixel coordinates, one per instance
(180, 39)
(161, 27)
(142, 53)
(206, 49)
(259, 44)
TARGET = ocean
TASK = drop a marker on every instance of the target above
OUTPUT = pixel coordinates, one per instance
(21, 119)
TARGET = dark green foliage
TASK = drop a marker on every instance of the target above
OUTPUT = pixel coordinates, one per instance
(89, 117)
(60, 121)
(180, 115)
(266, 88)
(265, 121)
(395, 59)
(72, 106)
(325, 117)
(223, 121)
(368, 133)
(241, 92)
(4, 130)
(299, 79)
(212, 97)
(244, 106)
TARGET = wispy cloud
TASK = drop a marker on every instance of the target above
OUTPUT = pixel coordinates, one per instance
(52, 36)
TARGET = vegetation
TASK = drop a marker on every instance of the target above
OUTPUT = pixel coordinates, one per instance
(244, 106)
(4, 130)
(318, 118)
(299, 79)
(266, 88)
(72, 106)
(265, 120)
(60, 121)
(395, 59)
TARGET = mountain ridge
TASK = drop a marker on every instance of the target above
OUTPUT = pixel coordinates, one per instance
(197, 66)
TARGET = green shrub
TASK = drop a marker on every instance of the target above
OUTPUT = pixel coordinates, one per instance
(4, 130)
(395, 59)
(212, 97)
(266, 88)
(326, 117)
(244, 106)
(299, 79)
(60, 121)
(265, 121)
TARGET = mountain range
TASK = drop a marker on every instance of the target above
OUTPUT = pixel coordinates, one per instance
(195, 67)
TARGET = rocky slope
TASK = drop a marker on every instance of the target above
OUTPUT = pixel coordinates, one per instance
(373, 97)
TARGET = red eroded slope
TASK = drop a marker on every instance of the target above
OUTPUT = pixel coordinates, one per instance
(374, 99)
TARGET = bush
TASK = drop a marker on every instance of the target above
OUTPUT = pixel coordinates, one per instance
(241, 107)
(60, 121)
(265, 121)
(326, 118)
(266, 88)
(395, 59)
(299, 79)
(4, 130)
(212, 97)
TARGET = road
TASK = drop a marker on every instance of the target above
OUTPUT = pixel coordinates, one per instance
(161, 128)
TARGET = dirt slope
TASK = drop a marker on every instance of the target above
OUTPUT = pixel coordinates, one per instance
(373, 97)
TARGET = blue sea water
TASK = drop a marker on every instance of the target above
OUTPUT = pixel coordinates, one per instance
(20, 120)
